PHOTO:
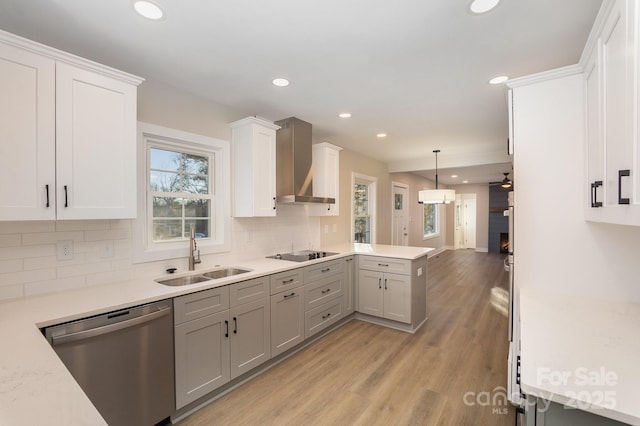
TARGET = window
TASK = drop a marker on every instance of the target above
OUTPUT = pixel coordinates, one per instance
(363, 219)
(431, 225)
(183, 181)
(179, 187)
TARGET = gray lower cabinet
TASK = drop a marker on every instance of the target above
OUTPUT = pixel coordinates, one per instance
(393, 289)
(287, 310)
(202, 357)
(220, 334)
(323, 295)
(349, 298)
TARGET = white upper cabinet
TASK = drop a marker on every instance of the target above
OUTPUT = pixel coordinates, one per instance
(253, 145)
(326, 177)
(95, 145)
(68, 135)
(611, 96)
(27, 135)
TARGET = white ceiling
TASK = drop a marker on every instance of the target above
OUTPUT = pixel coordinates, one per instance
(416, 70)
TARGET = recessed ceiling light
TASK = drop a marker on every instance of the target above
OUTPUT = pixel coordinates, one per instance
(148, 9)
(482, 6)
(454, 176)
(465, 181)
(281, 82)
(381, 135)
(344, 115)
(499, 80)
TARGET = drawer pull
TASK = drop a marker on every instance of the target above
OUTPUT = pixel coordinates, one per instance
(326, 316)
(325, 270)
(286, 296)
(622, 173)
(386, 265)
(326, 291)
(288, 281)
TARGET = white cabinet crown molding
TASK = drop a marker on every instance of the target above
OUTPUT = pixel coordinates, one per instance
(61, 56)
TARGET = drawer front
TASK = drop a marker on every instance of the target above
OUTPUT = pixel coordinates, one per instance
(324, 269)
(320, 291)
(385, 264)
(200, 304)
(323, 316)
(249, 291)
(286, 280)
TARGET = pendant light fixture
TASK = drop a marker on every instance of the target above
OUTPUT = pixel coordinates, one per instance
(436, 196)
(506, 182)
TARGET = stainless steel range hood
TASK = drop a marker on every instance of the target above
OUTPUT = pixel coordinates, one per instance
(294, 170)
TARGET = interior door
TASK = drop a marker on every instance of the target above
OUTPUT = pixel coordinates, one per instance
(458, 230)
(400, 218)
(470, 223)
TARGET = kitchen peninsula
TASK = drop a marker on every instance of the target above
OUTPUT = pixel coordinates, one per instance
(31, 374)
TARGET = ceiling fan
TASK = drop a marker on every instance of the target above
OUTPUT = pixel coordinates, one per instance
(506, 183)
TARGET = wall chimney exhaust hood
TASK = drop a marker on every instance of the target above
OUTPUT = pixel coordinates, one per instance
(294, 169)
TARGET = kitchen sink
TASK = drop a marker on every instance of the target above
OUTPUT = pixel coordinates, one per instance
(190, 279)
(207, 276)
(227, 272)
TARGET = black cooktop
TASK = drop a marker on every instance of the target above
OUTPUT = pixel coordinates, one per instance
(302, 256)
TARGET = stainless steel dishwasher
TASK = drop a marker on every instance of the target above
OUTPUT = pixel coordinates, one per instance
(123, 361)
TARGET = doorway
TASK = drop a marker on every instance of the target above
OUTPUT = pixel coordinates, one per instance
(400, 215)
(465, 222)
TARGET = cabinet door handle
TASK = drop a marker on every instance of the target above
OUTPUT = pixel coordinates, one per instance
(386, 265)
(47, 189)
(287, 281)
(385, 284)
(622, 173)
(274, 203)
(66, 201)
(326, 316)
(594, 194)
(226, 324)
(286, 296)
(325, 270)
(329, 208)
(325, 291)
(379, 282)
(235, 325)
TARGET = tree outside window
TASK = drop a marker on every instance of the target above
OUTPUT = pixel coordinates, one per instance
(179, 184)
(431, 226)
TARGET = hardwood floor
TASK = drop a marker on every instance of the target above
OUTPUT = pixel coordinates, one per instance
(364, 374)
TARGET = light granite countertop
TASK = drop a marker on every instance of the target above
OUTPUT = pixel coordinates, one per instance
(35, 386)
(581, 352)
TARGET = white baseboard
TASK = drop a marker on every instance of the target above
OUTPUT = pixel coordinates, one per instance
(436, 252)
(482, 250)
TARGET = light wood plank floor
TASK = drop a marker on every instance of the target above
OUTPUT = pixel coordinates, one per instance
(363, 374)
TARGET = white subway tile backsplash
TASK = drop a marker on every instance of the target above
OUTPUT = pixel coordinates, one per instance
(51, 237)
(11, 291)
(27, 227)
(24, 252)
(110, 277)
(103, 251)
(85, 269)
(13, 265)
(82, 225)
(53, 262)
(10, 240)
(52, 286)
(110, 234)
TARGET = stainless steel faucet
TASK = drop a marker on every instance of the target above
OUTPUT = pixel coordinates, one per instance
(193, 260)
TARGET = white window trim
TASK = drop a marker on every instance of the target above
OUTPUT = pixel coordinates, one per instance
(373, 205)
(437, 233)
(143, 251)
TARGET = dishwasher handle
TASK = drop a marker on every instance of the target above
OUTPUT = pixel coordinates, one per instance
(98, 331)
